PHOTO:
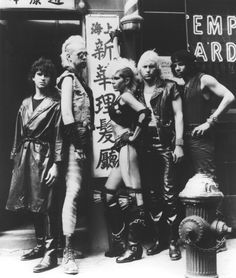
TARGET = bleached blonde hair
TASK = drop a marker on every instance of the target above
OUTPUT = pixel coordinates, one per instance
(72, 43)
(147, 56)
(126, 68)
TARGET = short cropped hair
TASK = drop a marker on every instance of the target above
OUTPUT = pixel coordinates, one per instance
(73, 42)
(126, 68)
(147, 56)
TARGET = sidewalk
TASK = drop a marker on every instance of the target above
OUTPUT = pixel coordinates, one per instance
(98, 266)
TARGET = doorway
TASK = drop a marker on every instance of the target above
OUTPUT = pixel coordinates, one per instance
(22, 41)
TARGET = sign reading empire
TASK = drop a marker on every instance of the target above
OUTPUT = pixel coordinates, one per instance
(42, 4)
(213, 37)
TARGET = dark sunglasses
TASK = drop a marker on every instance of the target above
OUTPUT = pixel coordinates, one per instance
(82, 54)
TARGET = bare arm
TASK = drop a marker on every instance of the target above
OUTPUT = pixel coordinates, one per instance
(67, 115)
(66, 101)
(208, 81)
(130, 100)
(179, 129)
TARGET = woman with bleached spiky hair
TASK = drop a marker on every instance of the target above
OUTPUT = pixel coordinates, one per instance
(128, 117)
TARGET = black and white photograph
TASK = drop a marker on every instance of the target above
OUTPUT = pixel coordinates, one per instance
(118, 138)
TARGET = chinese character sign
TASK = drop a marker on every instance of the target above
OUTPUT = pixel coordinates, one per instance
(46, 4)
(102, 49)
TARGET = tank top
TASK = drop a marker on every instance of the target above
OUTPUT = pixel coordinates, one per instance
(196, 108)
(122, 115)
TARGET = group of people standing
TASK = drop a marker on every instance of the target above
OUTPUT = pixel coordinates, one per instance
(157, 124)
(52, 142)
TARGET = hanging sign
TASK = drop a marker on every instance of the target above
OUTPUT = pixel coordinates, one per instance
(41, 4)
(102, 49)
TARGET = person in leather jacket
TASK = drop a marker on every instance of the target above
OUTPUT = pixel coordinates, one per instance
(161, 152)
(37, 154)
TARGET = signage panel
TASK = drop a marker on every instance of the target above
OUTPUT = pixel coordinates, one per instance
(37, 4)
(102, 49)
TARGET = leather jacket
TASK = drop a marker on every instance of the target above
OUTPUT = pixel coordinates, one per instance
(161, 102)
(37, 145)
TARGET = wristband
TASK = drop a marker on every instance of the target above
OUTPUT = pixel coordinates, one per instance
(179, 142)
(211, 120)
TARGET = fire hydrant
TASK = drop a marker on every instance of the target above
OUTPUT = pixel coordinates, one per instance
(200, 229)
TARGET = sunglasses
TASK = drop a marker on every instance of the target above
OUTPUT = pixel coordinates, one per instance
(82, 54)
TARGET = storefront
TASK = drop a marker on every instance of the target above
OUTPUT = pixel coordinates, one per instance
(33, 28)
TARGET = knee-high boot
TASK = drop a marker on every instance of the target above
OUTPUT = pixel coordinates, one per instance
(160, 239)
(155, 207)
(136, 225)
(116, 223)
(49, 259)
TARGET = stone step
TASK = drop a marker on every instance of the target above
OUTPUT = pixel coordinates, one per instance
(19, 238)
(17, 241)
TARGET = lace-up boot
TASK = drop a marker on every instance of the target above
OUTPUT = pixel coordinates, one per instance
(68, 262)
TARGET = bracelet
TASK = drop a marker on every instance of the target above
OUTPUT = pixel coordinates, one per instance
(212, 120)
(179, 142)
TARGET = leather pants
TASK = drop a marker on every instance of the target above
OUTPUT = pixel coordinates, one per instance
(48, 224)
(161, 191)
(200, 154)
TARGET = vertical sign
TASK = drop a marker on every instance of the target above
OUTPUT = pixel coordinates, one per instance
(41, 4)
(102, 49)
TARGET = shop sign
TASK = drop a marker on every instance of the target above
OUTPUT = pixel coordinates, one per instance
(212, 36)
(102, 49)
(42, 4)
